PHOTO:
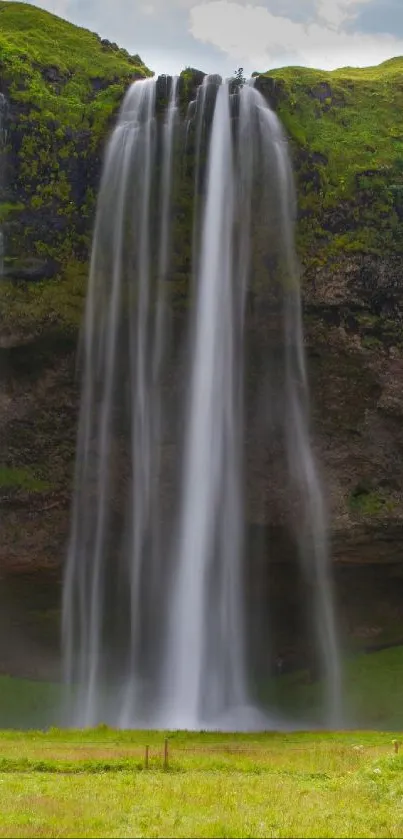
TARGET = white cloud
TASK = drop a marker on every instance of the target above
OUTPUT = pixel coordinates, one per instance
(257, 34)
(65, 9)
(336, 12)
(57, 7)
(148, 9)
(258, 39)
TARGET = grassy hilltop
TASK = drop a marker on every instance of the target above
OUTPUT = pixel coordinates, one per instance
(59, 68)
(346, 128)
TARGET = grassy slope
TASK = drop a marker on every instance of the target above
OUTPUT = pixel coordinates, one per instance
(61, 784)
(32, 39)
(351, 120)
(68, 80)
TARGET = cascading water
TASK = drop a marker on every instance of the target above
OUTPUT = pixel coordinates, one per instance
(154, 620)
(204, 655)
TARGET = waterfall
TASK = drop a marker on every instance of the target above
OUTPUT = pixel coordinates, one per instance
(205, 662)
(154, 617)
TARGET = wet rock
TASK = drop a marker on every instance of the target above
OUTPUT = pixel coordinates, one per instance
(33, 270)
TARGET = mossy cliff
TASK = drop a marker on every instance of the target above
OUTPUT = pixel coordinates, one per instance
(346, 136)
(63, 86)
(346, 127)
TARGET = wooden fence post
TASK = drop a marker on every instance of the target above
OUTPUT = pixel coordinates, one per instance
(146, 756)
(166, 760)
(396, 746)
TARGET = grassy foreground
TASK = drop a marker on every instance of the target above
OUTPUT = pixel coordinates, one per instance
(95, 784)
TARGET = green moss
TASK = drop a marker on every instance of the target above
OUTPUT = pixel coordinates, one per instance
(351, 121)
(64, 85)
(21, 478)
(48, 54)
(30, 308)
(294, 128)
(365, 319)
(7, 208)
(370, 342)
(367, 502)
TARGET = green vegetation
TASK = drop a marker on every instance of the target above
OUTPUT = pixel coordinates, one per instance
(26, 703)
(25, 479)
(7, 208)
(372, 687)
(346, 128)
(370, 342)
(65, 85)
(365, 501)
(94, 784)
(57, 67)
(58, 304)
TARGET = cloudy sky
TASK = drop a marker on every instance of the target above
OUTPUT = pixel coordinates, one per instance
(221, 35)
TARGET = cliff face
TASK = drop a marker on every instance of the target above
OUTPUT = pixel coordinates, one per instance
(63, 86)
(60, 88)
(346, 136)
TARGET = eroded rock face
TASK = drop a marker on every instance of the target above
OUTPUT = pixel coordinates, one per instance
(38, 418)
(356, 372)
(354, 343)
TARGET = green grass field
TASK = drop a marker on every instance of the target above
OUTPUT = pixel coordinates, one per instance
(94, 783)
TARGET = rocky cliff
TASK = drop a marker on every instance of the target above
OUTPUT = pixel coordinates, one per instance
(346, 135)
(62, 87)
